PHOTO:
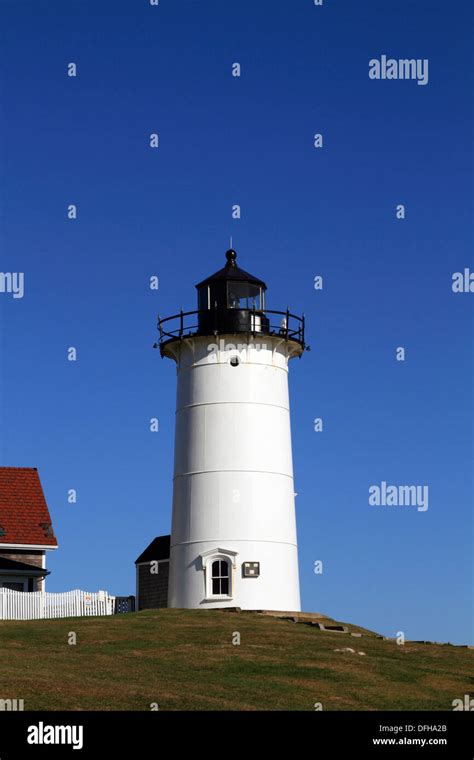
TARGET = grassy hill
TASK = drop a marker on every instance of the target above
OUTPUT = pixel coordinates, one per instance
(185, 660)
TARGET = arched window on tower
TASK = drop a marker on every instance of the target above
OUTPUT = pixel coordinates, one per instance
(220, 577)
(219, 566)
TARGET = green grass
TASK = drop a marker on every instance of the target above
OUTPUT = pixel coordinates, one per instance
(185, 660)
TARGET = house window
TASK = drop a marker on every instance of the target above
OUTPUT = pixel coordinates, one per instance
(13, 586)
(220, 577)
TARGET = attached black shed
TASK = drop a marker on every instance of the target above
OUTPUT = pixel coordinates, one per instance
(152, 573)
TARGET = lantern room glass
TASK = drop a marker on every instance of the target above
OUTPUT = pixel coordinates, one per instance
(203, 298)
(244, 295)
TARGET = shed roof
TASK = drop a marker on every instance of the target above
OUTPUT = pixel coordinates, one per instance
(158, 549)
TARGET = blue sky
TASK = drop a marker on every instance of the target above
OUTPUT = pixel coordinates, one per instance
(305, 212)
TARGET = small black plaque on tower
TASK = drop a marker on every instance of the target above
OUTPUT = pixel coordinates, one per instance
(251, 569)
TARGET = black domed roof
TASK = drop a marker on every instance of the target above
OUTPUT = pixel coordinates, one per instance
(232, 272)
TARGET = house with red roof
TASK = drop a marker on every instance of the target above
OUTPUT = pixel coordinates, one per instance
(26, 530)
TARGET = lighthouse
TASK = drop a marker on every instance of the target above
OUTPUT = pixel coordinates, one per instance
(233, 536)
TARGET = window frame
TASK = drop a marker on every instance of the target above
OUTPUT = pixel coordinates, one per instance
(208, 558)
(204, 290)
(14, 580)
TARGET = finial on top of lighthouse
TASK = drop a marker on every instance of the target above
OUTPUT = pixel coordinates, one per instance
(231, 256)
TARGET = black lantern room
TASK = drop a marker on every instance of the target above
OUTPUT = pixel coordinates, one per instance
(231, 301)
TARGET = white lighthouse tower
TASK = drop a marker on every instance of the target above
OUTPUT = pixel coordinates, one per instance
(233, 537)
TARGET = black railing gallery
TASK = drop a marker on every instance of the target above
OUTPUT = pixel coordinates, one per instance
(282, 323)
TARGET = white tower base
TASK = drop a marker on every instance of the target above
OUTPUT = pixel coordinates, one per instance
(233, 539)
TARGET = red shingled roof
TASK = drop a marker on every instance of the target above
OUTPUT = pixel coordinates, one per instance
(24, 515)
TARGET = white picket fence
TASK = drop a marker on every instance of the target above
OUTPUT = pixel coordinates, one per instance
(36, 605)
